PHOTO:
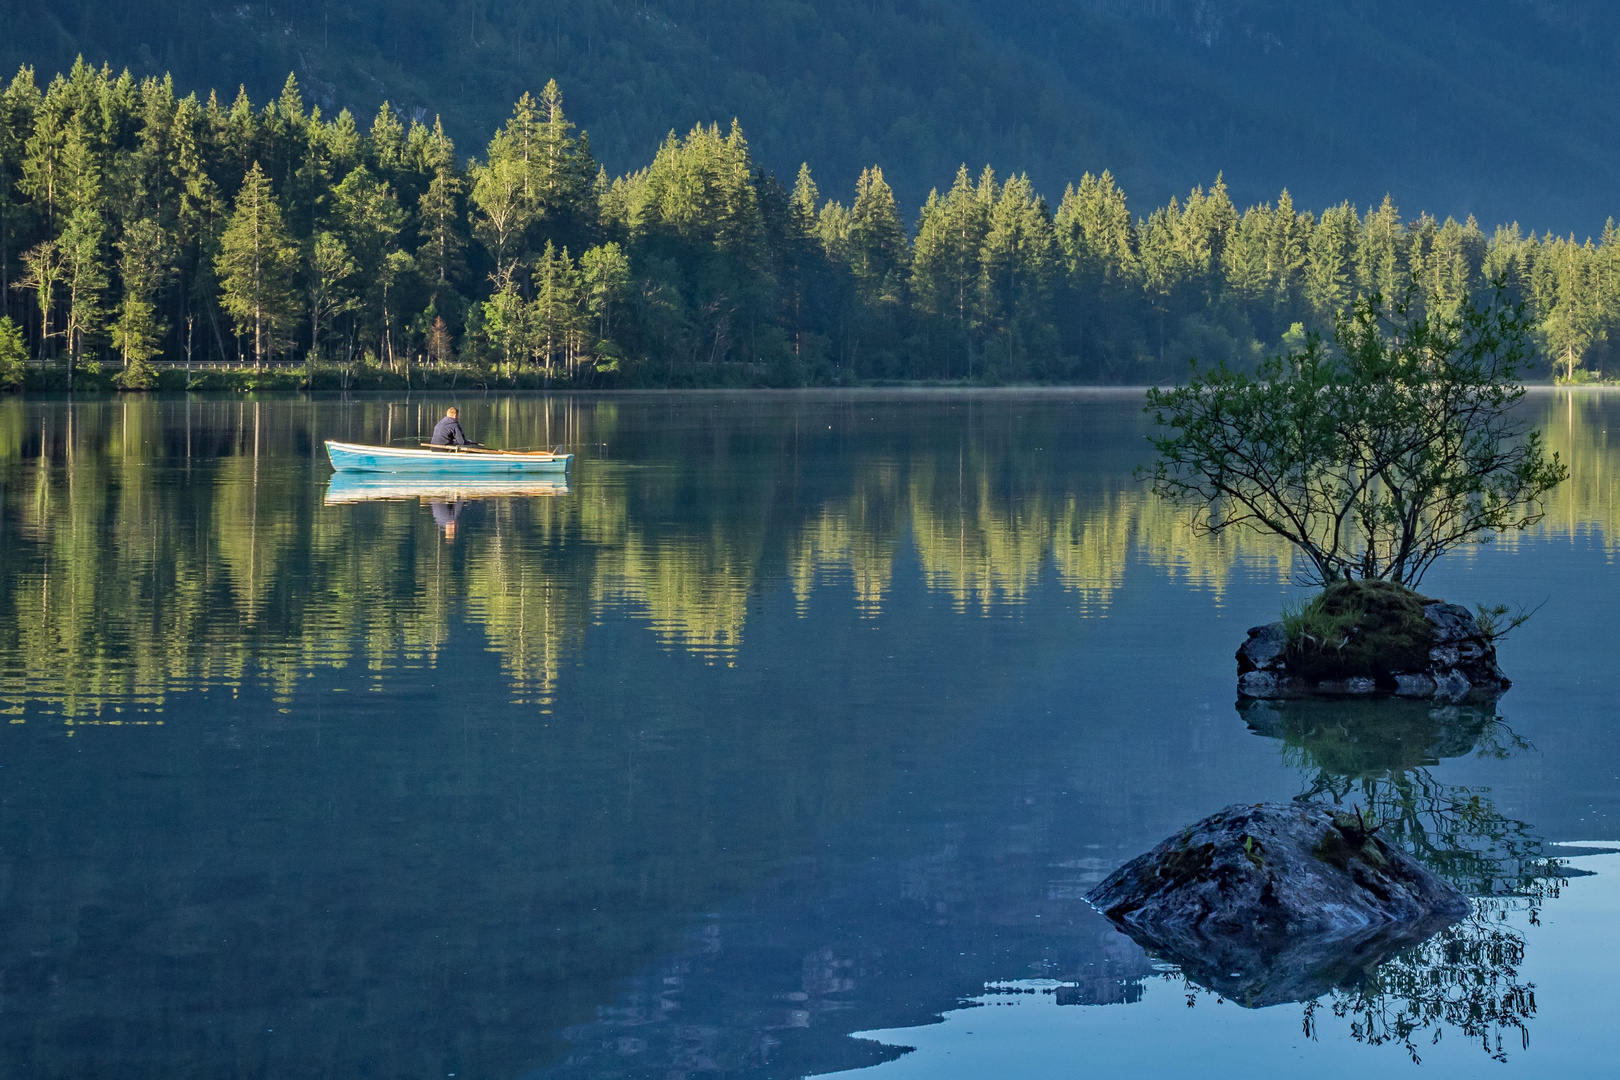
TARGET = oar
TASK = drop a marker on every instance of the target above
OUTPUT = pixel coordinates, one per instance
(479, 448)
(472, 448)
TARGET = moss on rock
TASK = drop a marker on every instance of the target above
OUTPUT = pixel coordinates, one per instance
(1360, 628)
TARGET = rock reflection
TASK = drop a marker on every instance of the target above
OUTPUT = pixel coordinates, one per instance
(1378, 756)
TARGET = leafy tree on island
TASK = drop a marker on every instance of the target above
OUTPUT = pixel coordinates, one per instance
(1374, 455)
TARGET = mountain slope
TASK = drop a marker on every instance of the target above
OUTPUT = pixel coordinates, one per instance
(1502, 108)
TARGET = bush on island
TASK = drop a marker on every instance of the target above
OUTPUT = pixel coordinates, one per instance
(1373, 456)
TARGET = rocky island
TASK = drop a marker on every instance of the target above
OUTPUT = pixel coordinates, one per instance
(1273, 902)
(1369, 638)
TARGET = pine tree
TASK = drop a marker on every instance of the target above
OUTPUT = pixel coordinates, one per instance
(1330, 264)
(370, 221)
(328, 270)
(1287, 252)
(255, 265)
(18, 104)
(82, 246)
(1019, 255)
(13, 355)
(144, 265)
(1381, 254)
(947, 260)
(439, 220)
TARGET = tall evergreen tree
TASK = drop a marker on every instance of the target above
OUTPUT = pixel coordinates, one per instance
(255, 265)
(19, 102)
(439, 254)
(1019, 256)
(1331, 264)
(1381, 255)
(144, 265)
(947, 261)
(82, 247)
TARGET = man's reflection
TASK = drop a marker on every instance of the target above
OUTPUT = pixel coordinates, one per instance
(445, 514)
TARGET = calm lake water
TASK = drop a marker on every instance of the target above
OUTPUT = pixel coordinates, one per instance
(785, 737)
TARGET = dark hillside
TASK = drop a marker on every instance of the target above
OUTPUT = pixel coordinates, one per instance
(1506, 109)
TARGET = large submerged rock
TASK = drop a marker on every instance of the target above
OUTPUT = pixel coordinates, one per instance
(1445, 657)
(1274, 902)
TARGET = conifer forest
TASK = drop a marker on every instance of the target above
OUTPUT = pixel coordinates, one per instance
(142, 232)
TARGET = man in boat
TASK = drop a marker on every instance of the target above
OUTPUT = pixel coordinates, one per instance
(448, 432)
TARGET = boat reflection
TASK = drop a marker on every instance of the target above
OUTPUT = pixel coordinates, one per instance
(447, 496)
(346, 488)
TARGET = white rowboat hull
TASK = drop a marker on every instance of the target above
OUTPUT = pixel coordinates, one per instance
(358, 457)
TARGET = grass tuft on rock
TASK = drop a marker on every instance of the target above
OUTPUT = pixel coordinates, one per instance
(1351, 628)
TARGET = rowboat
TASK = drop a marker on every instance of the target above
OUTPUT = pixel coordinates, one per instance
(461, 460)
(356, 487)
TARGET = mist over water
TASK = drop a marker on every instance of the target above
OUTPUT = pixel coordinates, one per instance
(790, 716)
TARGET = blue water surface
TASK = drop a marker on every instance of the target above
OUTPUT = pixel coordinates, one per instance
(784, 738)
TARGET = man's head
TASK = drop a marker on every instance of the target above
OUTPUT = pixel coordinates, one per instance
(451, 412)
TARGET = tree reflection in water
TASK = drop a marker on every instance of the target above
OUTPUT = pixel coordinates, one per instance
(1377, 756)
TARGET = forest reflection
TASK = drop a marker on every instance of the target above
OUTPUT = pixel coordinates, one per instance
(155, 546)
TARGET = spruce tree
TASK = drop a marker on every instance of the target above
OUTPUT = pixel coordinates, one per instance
(18, 104)
(329, 268)
(606, 275)
(946, 262)
(144, 266)
(13, 355)
(1381, 253)
(82, 245)
(1330, 264)
(1019, 256)
(1287, 252)
(878, 251)
(255, 266)
(1243, 263)
(439, 254)
(370, 220)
